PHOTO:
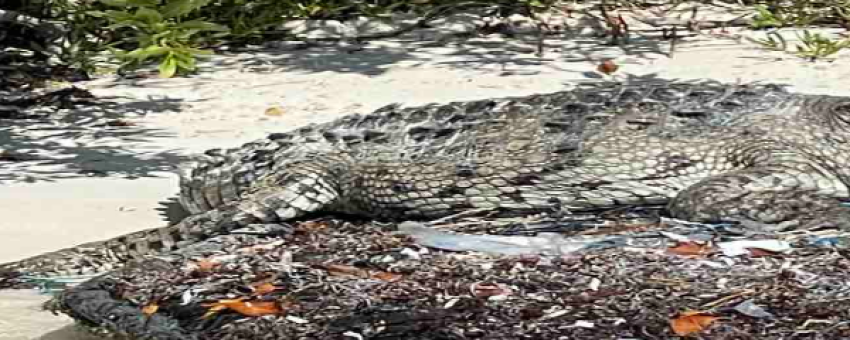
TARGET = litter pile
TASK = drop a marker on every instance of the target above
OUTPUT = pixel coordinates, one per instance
(330, 279)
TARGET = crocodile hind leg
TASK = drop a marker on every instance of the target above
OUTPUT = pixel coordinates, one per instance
(787, 196)
(309, 184)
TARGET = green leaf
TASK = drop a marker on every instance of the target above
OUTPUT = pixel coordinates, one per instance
(143, 3)
(168, 67)
(112, 15)
(114, 3)
(148, 15)
(130, 3)
(185, 61)
(203, 26)
(178, 8)
(147, 52)
(195, 51)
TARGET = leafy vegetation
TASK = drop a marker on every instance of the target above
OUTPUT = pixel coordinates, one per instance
(174, 33)
(801, 14)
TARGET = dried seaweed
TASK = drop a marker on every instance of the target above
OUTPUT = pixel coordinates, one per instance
(633, 291)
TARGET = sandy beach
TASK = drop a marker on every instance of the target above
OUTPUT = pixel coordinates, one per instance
(104, 181)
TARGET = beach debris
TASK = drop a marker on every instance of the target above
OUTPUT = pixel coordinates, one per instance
(275, 111)
(328, 278)
(692, 249)
(608, 67)
(749, 308)
(753, 247)
(245, 307)
(544, 243)
(691, 322)
(351, 271)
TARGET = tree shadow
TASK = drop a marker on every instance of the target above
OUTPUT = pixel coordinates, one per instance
(90, 140)
(473, 53)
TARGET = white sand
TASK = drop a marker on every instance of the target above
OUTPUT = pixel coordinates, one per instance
(51, 207)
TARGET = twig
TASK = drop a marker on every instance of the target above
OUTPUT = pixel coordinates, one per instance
(460, 214)
(727, 298)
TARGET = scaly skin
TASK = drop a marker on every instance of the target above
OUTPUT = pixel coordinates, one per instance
(710, 152)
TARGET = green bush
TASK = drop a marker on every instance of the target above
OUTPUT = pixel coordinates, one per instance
(161, 31)
(172, 33)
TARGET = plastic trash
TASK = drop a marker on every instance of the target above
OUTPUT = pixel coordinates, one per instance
(543, 244)
(751, 309)
(735, 248)
(55, 284)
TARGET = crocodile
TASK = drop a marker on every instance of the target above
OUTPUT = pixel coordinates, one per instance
(757, 154)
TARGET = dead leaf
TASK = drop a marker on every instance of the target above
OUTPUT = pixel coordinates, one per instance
(312, 226)
(758, 252)
(690, 249)
(385, 276)
(488, 289)
(691, 322)
(350, 271)
(119, 122)
(245, 307)
(150, 309)
(607, 67)
(263, 288)
(206, 265)
(275, 111)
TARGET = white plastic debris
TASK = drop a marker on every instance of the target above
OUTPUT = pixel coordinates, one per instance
(751, 309)
(545, 243)
(741, 247)
(412, 254)
(583, 324)
(295, 319)
(355, 335)
(554, 314)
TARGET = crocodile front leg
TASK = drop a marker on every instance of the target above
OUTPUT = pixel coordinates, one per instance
(793, 195)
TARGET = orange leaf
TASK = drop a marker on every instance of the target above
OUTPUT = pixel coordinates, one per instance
(691, 322)
(385, 276)
(263, 288)
(608, 67)
(150, 309)
(344, 270)
(312, 226)
(256, 308)
(690, 249)
(245, 307)
(206, 266)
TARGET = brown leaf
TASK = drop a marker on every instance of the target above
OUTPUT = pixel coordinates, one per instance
(150, 309)
(691, 322)
(206, 265)
(350, 271)
(690, 249)
(758, 252)
(482, 289)
(275, 111)
(312, 226)
(245, 307)
(119, 122)
(263, 288)
(607, 67)
(385, 276)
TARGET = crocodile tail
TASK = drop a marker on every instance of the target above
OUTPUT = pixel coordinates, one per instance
(102, 256)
